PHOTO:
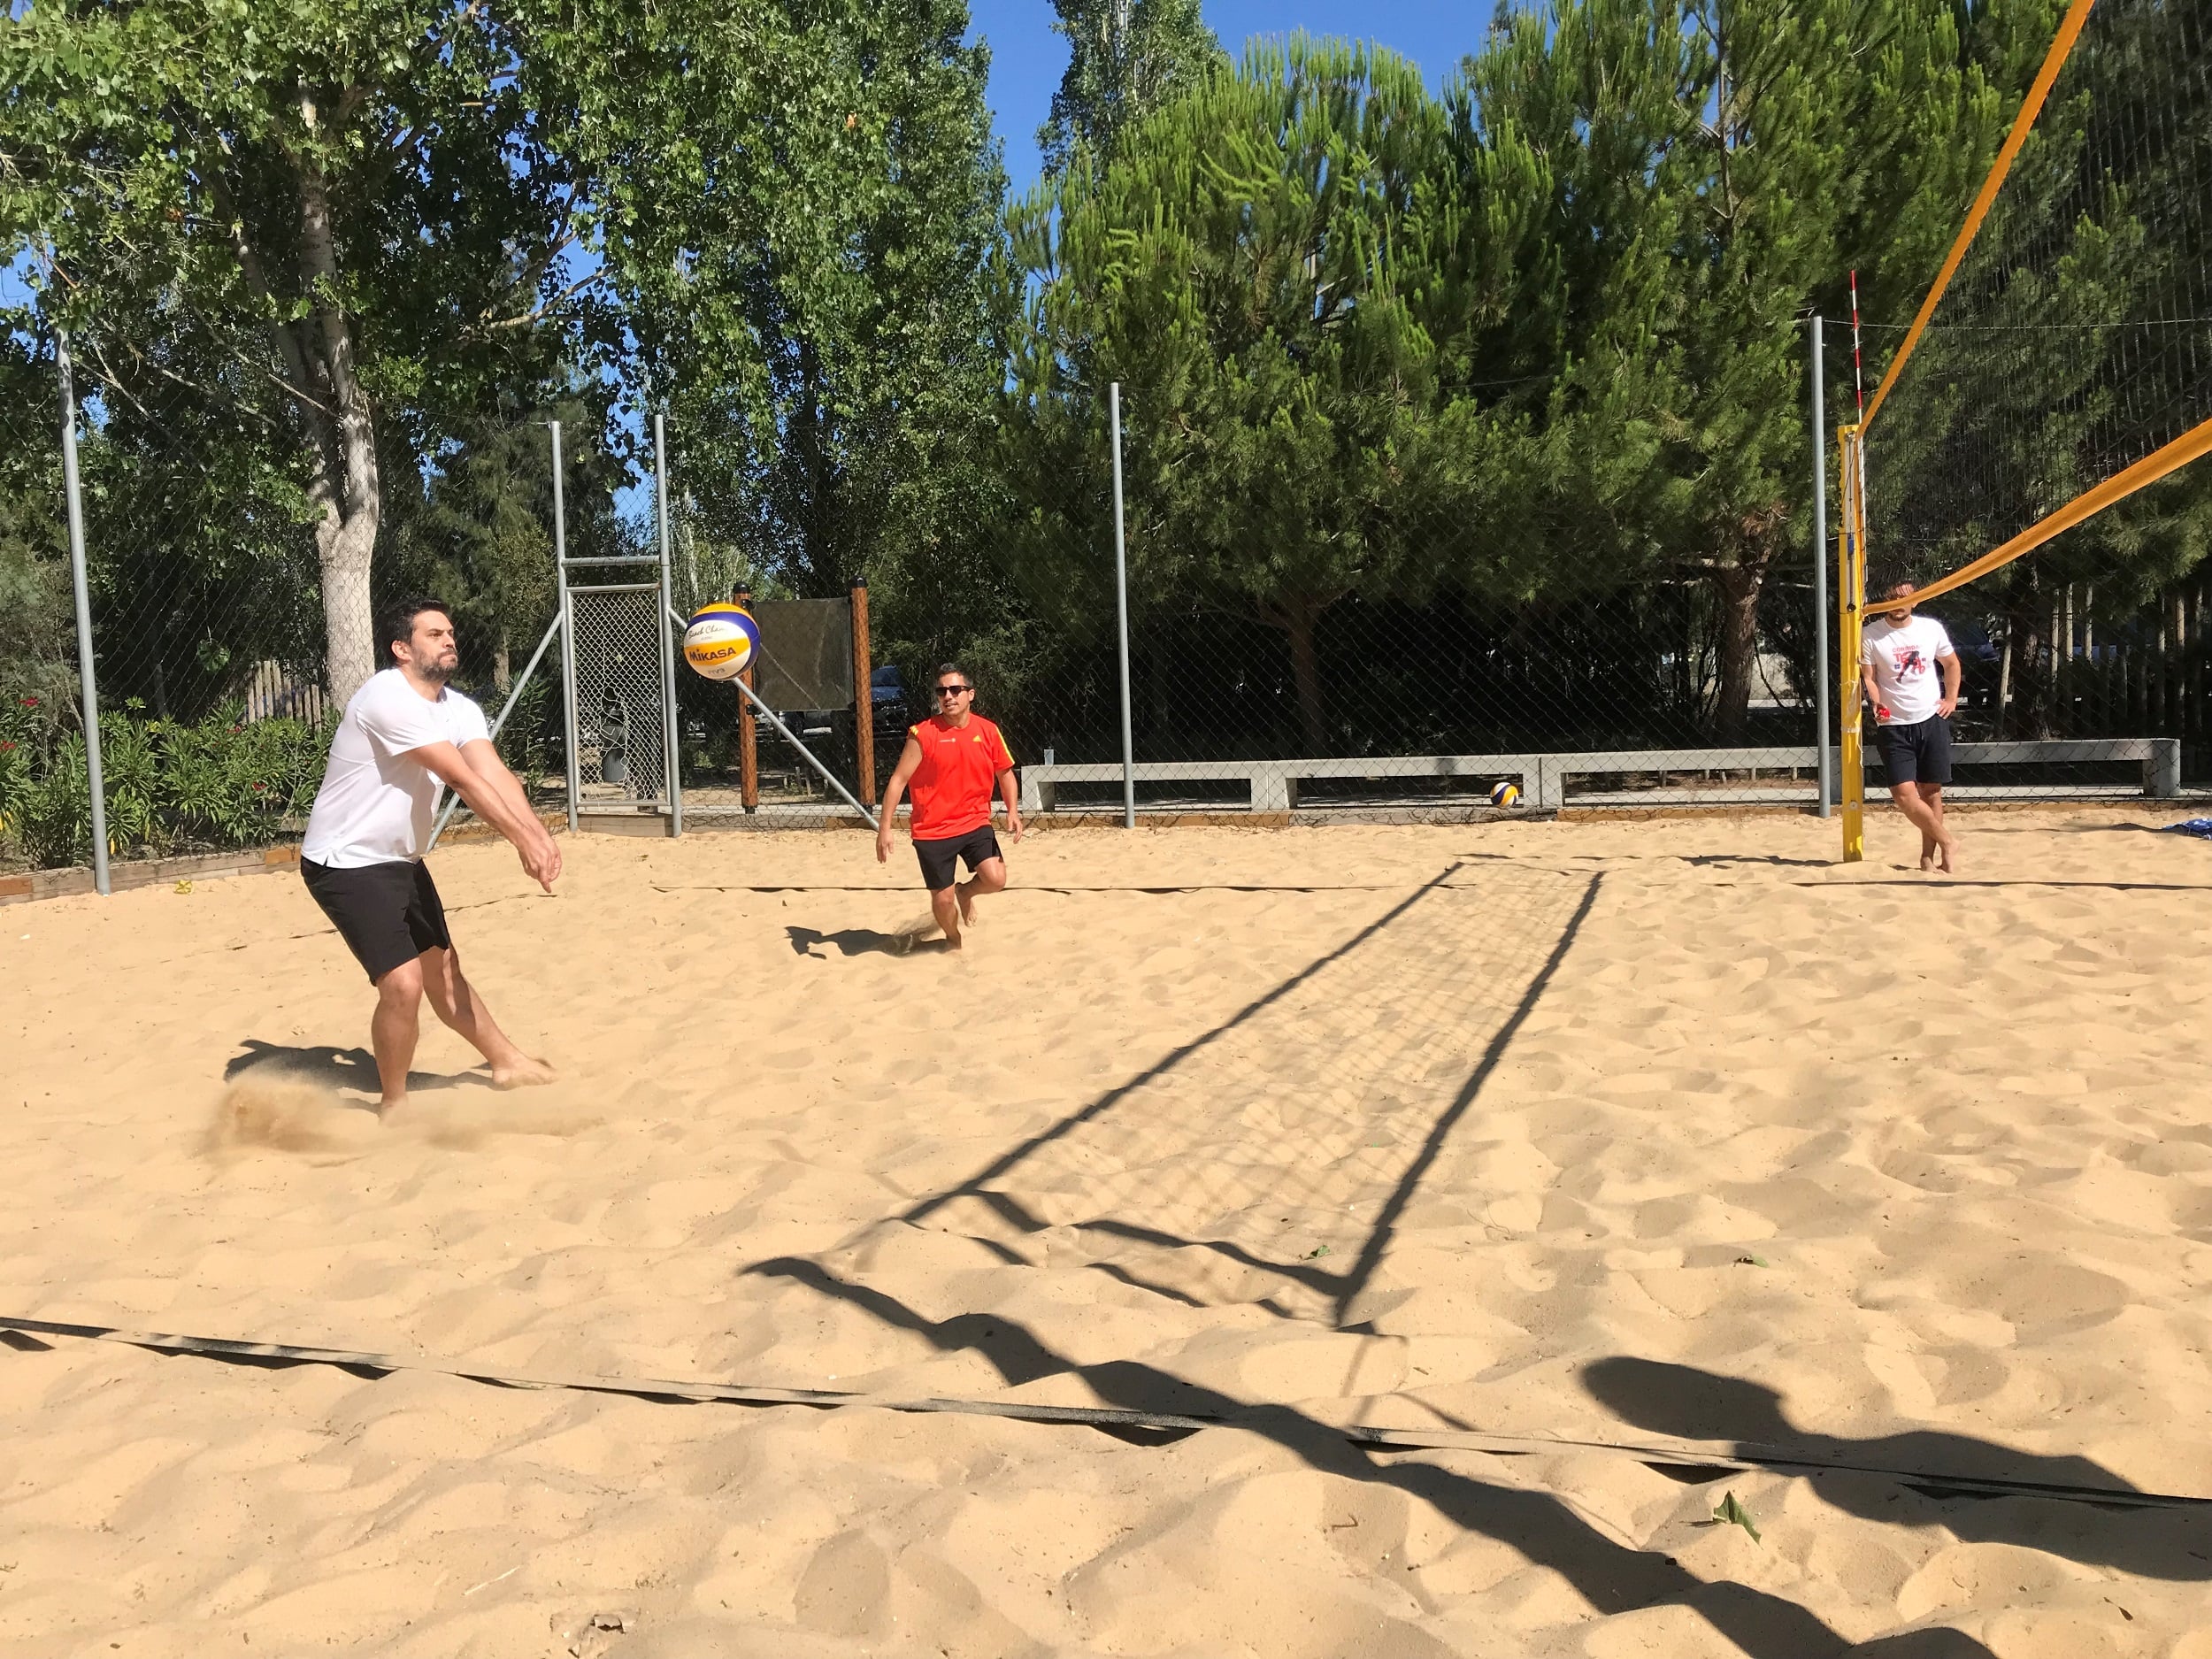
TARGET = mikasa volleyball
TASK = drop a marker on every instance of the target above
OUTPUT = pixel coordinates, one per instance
(1506, 795)
(720, 640)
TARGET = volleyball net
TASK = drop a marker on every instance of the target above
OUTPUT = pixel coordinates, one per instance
(2032, 432)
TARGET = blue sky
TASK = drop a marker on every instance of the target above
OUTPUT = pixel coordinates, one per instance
(1027, 58)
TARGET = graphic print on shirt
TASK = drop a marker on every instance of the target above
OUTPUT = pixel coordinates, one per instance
(1904, 658)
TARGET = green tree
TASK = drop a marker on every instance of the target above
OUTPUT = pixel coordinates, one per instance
(807, 278)
(35, 646)
(352, 200)
(476, 529)
(352, 221)
(1126, 58)
(1235, 269)
(1717, 166)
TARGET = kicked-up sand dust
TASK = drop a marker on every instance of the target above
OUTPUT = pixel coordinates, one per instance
(1611, 1132)
(274, 1109)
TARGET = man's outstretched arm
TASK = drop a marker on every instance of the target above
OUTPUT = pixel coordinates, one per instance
(483, 757)
(910, 758)
(500, 804)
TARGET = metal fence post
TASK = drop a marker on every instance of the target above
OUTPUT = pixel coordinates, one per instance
(1820, 576)
(568, 631)
(1121, 612)
(674, 726)
(95, 777)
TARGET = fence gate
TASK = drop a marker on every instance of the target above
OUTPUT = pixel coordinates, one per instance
(618, 669)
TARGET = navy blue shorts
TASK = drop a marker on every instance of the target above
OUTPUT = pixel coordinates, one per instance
(938, 857)
(1918, 753)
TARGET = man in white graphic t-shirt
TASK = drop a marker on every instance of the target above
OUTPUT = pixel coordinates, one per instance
(404, 734)
(1910, 675)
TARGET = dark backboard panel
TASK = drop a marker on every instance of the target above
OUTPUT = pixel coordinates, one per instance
(806, 651)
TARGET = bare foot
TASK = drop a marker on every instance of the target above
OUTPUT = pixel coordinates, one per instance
(391, 1105)
(952, 941)
(965, 900)
(522, 1072)
(1927, 861)
(1948, 858)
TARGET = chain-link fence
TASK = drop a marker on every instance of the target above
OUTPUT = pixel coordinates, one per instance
(1411, 663)
(204, 609)
(41, 745)
(1419, 670)
(1385, 702)
(228, 600)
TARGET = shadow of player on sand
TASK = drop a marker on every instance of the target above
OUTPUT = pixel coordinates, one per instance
(1615, 1577)
(335, 1068)
(1684, 1402)
(852, 942)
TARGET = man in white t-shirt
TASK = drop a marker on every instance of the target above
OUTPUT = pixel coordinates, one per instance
(404, 735)
(1910, 675)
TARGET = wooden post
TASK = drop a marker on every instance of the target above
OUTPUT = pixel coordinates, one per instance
(864, 694)
(748, 735)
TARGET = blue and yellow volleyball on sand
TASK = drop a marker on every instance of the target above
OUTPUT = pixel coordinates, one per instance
(720, 640)
(1505, 795)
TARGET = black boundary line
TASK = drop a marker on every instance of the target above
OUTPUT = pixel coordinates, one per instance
(1738, 1458)
(1032, 886)
(1935, 881)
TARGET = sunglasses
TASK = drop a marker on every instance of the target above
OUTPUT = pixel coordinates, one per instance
(953, 691)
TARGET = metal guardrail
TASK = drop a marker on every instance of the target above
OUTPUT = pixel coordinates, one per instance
(1273, 784)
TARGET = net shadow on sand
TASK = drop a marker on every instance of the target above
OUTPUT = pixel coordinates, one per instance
(1613, 1576)
(330, 1066)
(1665, 1398)
(1329, 1097)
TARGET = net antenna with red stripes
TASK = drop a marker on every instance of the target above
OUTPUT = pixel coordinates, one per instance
(1858, 360)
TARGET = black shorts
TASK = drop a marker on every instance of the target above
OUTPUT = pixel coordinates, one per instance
(937, 857)
(387, 914)
(1918, 753)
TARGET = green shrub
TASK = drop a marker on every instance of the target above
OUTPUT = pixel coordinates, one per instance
(170, 787)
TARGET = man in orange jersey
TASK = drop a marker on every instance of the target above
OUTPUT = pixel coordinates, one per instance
(953, 759)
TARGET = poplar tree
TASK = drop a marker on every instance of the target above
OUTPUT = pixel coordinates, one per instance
(339, 231)
(1126, 58)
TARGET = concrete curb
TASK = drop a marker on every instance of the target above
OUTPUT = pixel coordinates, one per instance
(26, 887)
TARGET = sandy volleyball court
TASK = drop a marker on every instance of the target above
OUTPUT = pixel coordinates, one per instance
(1620, 1134)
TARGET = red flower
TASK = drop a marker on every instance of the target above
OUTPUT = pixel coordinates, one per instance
(6, 746)
(30, 703)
